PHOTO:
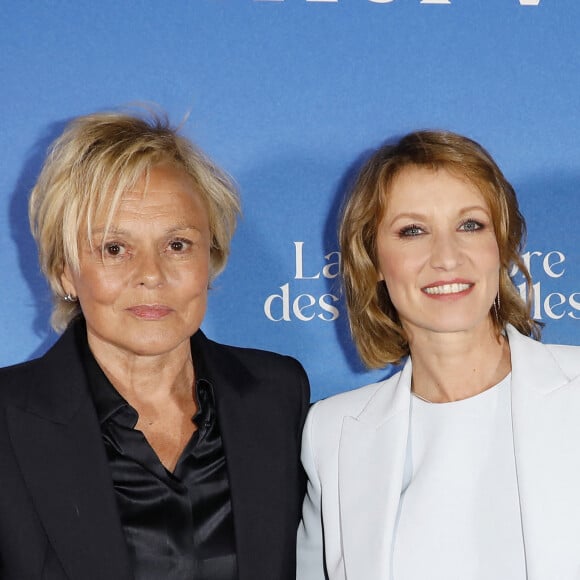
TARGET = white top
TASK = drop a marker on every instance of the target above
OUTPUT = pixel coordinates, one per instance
(459, 513)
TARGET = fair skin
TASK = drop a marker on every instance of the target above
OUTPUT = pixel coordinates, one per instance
(143, 292)
(439, 257)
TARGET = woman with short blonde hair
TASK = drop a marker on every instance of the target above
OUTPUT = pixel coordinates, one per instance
(88, 168)
(136, 447)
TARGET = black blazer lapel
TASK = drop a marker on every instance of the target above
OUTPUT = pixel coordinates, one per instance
(56, 439)
(259, 438)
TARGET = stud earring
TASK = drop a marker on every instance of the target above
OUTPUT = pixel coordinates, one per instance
(70, 298)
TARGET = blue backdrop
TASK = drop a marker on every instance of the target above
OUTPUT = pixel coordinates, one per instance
(289, 96)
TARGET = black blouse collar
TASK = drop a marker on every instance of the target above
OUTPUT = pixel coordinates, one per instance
(108, 401)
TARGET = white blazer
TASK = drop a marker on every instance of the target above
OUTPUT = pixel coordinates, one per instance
(354, 447)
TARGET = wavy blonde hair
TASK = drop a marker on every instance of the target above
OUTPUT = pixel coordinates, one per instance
(374, 323)
(95, 160)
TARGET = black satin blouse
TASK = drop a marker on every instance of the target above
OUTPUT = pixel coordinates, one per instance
(177, 525)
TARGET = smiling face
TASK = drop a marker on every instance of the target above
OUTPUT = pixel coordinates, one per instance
(142, 288)
(437, 253)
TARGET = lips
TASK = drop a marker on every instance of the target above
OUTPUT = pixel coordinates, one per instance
(150, 312)
(447, 289)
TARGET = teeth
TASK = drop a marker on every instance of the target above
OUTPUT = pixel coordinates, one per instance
(447, 289)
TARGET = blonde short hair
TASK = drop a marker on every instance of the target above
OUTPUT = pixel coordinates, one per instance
(374, 323)
(88, 168)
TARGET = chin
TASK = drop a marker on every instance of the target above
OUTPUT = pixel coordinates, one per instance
(450, 323)
(463, 325)
(147, 345)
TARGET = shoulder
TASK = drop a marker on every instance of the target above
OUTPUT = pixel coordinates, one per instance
(350, 403)
(58, 357)
(14, 379)
(567, 357)
(324, 424)
(51, 382)
(263, 373)
(253, 359)
(254, 356)
(42, 386)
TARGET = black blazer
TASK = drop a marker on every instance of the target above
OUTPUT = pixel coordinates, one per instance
(58, 513)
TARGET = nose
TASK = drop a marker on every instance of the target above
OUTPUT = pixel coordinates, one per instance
(149, 271)
(445, 251)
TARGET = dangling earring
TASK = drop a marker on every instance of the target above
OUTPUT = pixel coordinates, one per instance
(497, 307)
(70, 298)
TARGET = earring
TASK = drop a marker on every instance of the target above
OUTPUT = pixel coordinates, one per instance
(497, 306)
(70, 298)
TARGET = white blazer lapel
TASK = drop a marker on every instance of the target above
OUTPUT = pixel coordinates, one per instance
(370, 473)
(546, 425)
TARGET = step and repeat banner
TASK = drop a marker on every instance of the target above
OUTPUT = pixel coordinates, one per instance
(289, 96)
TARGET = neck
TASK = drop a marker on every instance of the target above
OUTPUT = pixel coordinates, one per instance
(146, 379)
(455, 366)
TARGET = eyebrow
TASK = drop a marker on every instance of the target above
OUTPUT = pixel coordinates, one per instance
(420, 216)
(120, 231)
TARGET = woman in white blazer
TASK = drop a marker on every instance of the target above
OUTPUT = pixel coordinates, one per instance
(465, 463)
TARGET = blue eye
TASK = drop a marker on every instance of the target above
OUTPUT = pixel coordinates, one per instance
(410, 231)
(471, 226)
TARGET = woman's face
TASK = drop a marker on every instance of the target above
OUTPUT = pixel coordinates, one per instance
(437, 253)
(143, 288)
